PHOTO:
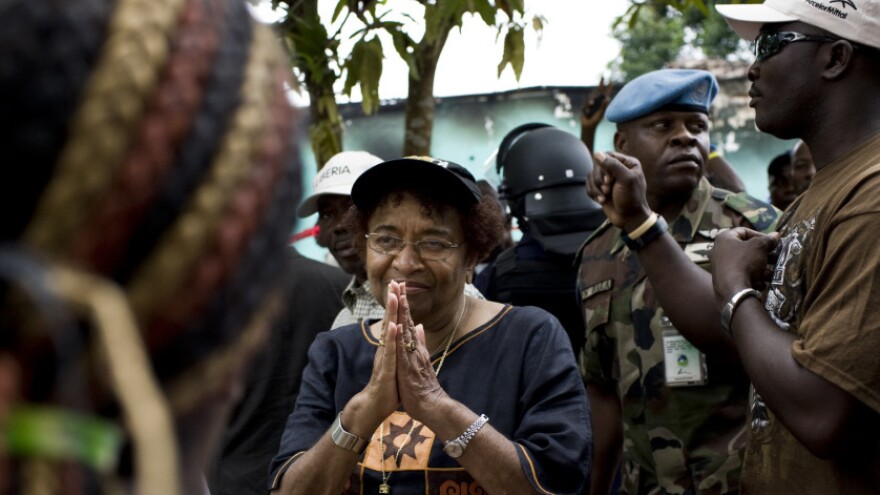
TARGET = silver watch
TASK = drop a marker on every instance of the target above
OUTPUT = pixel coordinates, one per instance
(455, 448)
(346, 440)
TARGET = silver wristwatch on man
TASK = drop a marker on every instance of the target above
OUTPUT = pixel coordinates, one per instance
(455, 448)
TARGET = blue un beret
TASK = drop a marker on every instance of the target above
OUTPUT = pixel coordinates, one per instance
(666, 89)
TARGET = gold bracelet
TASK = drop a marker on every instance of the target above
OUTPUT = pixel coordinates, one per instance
(641, 229)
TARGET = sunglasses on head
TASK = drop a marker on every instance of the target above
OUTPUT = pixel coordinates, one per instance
(767, 44)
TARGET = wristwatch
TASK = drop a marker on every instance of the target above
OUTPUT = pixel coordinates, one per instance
(654, 231)
(346, 440)
(455, 448)
(730, 307)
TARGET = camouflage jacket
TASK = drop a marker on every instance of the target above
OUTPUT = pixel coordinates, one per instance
(677, 440)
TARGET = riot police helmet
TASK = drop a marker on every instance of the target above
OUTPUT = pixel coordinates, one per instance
(544, 172)
(540, 158)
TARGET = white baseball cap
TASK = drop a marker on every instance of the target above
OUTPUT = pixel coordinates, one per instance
(337, 177)
(854, 20)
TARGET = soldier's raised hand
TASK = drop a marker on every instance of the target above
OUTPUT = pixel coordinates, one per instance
(618, 184)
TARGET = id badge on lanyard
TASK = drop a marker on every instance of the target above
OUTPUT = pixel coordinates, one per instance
(685, 365)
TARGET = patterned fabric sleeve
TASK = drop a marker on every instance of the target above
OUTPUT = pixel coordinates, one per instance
(595, 289)
(598, 344)
(760, 216)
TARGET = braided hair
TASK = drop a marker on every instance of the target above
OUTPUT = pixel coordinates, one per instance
(148, 174)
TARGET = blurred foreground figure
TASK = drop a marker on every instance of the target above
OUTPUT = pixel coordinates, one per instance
(148, 180)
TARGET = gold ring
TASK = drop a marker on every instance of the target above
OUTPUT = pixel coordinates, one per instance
(410, 346)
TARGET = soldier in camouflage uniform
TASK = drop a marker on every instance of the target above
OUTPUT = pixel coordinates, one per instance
(666, 385)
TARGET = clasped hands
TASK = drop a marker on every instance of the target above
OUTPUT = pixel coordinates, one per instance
(402, 370)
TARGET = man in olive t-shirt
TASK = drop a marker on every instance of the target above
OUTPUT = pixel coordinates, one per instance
(810, 348)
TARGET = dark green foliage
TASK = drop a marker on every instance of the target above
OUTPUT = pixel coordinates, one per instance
(655, 32)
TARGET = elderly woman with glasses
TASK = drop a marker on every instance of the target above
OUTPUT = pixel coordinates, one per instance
(447, 393)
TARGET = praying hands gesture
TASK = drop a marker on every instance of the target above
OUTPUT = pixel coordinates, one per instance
(402, 369)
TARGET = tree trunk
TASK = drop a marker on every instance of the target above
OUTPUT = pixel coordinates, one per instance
(311, 58)
(325, 124)
(420, 104)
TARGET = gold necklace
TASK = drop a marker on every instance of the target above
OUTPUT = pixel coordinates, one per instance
(449, 336)
(385, 488)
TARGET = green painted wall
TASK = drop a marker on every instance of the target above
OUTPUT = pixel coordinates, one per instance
(468, 129)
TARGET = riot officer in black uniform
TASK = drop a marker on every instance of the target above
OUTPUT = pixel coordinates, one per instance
(543, 170)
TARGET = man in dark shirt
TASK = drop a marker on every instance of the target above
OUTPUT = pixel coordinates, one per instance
(271, 388)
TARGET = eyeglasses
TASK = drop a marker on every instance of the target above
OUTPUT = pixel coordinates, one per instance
(428, 249)
(767, 44)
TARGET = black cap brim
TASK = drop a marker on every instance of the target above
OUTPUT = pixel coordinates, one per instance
(455, 181)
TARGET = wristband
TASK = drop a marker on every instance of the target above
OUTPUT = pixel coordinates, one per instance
(642, 236)
(730, 307)
(346, 440)
(641, 229)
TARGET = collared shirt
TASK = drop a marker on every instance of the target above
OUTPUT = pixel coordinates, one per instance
(361, 305)
(676, 439)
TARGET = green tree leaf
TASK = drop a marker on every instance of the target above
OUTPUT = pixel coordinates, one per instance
(364, 69)
(538, 23)
(338, 10)
(371, 72)
(485, 9)
(514, 51)
(405, 48)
